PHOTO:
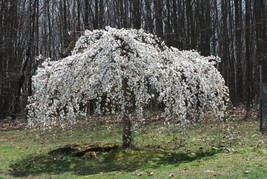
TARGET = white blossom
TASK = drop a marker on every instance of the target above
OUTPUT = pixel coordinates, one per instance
(103, 60)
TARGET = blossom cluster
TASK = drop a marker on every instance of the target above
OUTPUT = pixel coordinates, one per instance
(121, 71)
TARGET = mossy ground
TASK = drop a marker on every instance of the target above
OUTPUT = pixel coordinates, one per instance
(234, 149)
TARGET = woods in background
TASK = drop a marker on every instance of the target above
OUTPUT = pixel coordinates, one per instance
(235, 30)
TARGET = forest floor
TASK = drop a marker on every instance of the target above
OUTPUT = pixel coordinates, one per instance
(232, 149)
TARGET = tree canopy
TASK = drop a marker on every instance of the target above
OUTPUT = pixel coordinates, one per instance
(121, 71)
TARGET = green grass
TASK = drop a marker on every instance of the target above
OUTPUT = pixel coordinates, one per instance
(213, 150)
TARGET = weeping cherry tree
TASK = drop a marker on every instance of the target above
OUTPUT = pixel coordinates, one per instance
(121, 72)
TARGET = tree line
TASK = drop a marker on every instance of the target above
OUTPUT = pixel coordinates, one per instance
(235, 30)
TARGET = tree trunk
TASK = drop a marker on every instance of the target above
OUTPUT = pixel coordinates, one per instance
(248, 59)
(264, 71)
(136, 13)
(238, 94)
(149, 21)
(101, 14)
(127, 132)
(158, 9)
(261, 31)
(96, 15)
(126, 121)
(86, 14)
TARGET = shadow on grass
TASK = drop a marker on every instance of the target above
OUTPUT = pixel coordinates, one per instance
(118, 160)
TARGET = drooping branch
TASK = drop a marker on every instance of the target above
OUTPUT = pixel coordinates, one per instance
(114, 67)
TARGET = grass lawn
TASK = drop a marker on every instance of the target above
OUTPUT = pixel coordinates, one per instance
(234, 149)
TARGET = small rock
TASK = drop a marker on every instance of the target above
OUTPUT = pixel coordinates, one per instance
(246, 171)
(139, 174)
(171, 175)
(150, 173)
(208, 171)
